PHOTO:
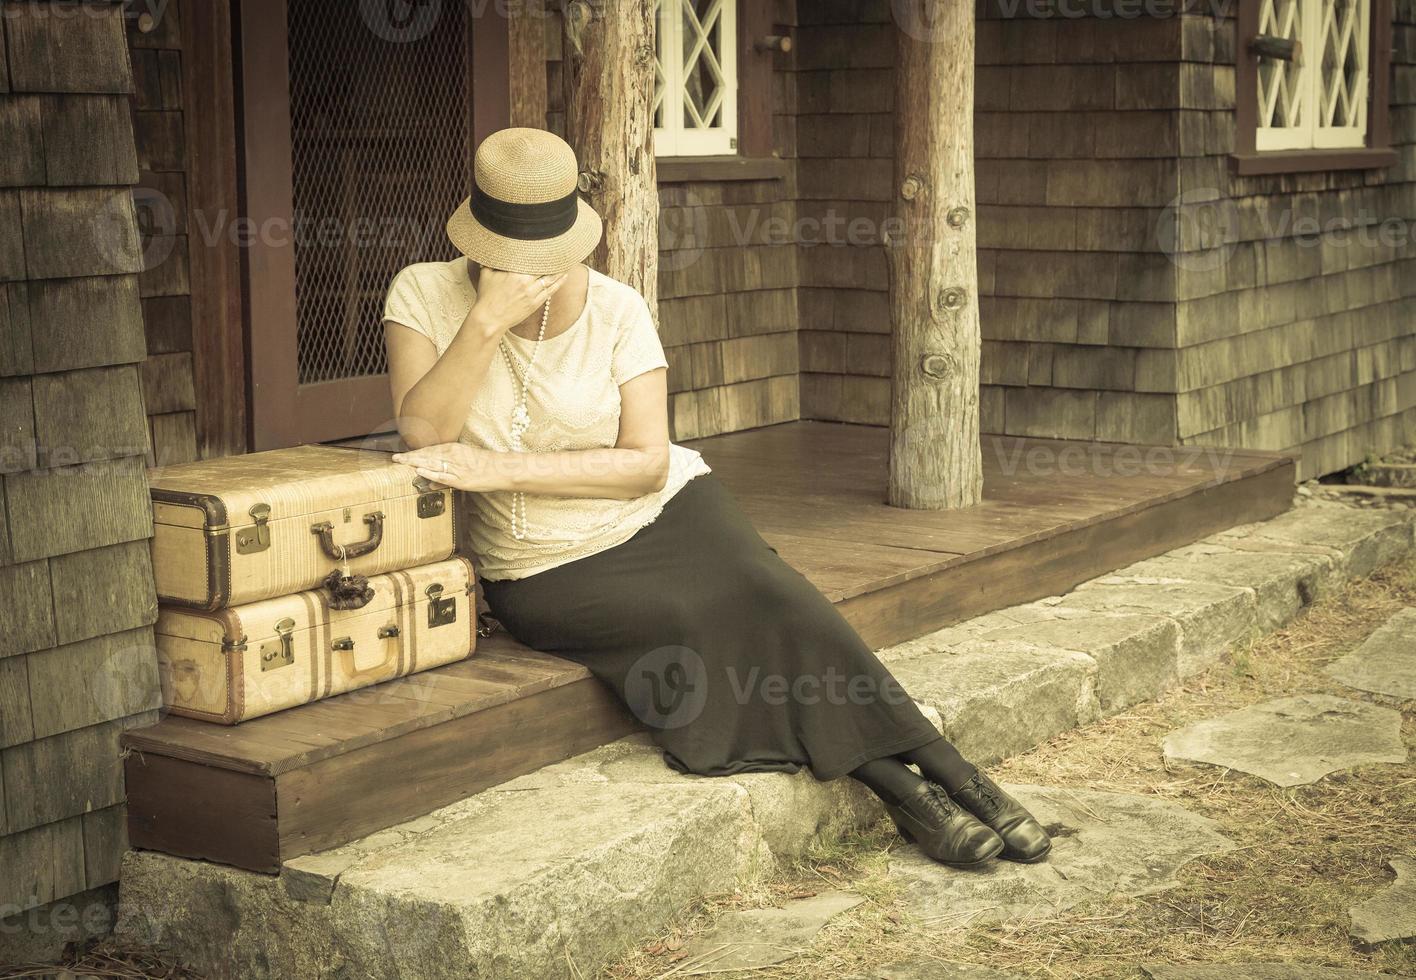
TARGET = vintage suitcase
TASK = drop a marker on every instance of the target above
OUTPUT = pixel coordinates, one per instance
(228, 665)
(243, 528)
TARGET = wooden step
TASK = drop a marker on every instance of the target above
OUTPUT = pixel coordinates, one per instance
(313, 777)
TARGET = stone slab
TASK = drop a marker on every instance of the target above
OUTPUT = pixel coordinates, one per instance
(931, 969)
(1294, 740)
(1390, 915)
(552, 873)
(1360, 539)
(1102, 843)
(1136, 655)
(1381, 495)
(1385, 663)
(1390, 474)
(750, 939)
(998, 698)
(496, 890)
(1282, 582)
(1211, 617)
(1253, 971)
(790, 812)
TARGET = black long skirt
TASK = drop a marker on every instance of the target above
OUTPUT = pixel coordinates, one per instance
(728, 655)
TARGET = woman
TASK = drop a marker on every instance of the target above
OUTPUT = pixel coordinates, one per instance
(538, 385)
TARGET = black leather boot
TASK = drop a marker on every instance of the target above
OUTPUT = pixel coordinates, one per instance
(944, 830)
(1024, 838)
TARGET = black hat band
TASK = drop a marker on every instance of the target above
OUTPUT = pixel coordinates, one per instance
(526, 221)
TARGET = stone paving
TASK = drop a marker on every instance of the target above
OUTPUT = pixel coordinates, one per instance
(750, 939)
(1385, 663)
(1390, 915)
(1294, 740)
(1103, 843)
(928, 969)
(1253, 971)
(560, 871)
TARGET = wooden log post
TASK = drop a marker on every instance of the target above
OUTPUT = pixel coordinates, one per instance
(935, 457)
(526, 63)
(609, 91)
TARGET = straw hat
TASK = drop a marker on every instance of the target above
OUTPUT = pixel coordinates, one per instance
(524, 213)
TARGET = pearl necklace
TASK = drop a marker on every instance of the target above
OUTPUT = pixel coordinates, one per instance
(521, 419)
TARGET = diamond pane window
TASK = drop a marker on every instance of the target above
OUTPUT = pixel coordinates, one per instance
(695, 77)
(1342, 82)
(1322, 102)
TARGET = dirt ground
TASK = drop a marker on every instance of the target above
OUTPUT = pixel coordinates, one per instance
(1306, 853)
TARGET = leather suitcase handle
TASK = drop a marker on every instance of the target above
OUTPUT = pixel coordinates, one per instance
(336, 552)
(345, 648)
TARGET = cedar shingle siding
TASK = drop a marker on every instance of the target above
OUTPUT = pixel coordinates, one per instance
(1296, 340)
(727, 295)
(76, 592)
(158, 123)
(1088, 131)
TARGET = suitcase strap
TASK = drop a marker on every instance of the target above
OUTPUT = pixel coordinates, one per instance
(486, 625)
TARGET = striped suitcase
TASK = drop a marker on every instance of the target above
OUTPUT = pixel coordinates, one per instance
(243, 528)
(229, 665)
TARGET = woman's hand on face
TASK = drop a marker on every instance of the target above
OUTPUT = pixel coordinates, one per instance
(456, 465)
(504, 299)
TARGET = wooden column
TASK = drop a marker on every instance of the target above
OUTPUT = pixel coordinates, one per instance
(609, 87)
(526, 37)
(218, 331)
(935, 459)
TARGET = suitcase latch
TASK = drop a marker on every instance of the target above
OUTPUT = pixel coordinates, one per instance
(432, 504)
(250, 540)
(441, 610)
(281, 652)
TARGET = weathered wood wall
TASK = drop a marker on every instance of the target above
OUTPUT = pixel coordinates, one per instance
(844, 96)
(1293, 331)
(728, 279)
(169, 391)
(76, 590)
(1073, 166)
(1089, 131)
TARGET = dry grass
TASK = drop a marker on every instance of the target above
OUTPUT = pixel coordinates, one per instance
(106, 959)
(1306, 853)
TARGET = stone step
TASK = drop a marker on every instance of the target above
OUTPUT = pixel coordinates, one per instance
(557, 872)
(1389, 474)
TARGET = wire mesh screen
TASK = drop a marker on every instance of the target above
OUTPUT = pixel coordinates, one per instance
(380, 120)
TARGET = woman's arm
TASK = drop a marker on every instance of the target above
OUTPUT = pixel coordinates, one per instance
(432, 394)
(637, 464)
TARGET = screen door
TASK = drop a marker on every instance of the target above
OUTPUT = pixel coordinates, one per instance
(359, 122)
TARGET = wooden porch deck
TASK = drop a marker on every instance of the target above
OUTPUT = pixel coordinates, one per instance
(1054, 513)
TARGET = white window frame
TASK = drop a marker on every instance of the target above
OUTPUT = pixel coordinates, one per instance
(674, 138)
(1311, 131)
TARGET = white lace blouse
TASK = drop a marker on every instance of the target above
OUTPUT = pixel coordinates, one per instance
(574, 402)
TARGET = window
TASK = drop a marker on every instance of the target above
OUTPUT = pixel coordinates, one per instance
(1322, 102)
(695, 77)
(1327, 108)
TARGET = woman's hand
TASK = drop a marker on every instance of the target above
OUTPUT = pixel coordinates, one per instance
(504, 299)
(457, 465)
